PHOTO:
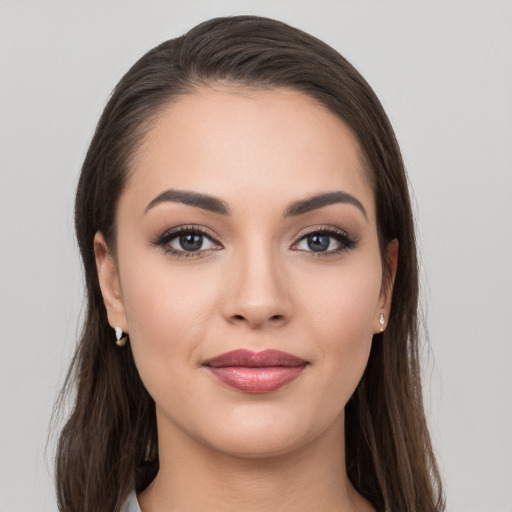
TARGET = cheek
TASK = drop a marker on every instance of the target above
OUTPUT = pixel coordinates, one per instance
(340, 315)
(346, 299)
(167, 313)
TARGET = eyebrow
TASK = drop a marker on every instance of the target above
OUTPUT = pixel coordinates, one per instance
(213, 204)
(204, 201)
(321, 200)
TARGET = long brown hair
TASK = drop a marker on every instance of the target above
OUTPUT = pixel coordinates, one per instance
(109, 444)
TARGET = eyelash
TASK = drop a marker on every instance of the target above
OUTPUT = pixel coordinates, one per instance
(165, 240)
(346, 241)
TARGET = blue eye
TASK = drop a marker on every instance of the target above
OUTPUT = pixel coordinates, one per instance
(186, 241)
(190, 242)
(319, 243)
(325, 241)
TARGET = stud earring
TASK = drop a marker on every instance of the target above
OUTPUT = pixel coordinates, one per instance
(381, 321)
(120, 339)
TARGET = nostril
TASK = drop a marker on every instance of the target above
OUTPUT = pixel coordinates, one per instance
(273, 319)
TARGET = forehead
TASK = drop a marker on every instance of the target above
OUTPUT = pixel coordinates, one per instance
(225, 140)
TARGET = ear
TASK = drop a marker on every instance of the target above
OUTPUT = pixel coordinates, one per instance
(108, 276)
(386, 291)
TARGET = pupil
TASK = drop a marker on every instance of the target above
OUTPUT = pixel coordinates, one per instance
(191, 242)
(318, 243)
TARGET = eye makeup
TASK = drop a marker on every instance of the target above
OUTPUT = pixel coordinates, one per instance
(322, 241)
(196, 241)
(187, 241)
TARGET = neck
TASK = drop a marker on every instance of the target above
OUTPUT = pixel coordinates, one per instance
(195, 477)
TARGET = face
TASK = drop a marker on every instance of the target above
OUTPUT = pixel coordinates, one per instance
(247, 269)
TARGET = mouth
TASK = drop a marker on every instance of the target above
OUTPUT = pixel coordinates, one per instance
(256, 372)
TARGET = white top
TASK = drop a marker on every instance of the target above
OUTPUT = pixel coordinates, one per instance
(131, 505)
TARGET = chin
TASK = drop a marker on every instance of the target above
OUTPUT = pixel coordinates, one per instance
(257, 445)
(269, 435)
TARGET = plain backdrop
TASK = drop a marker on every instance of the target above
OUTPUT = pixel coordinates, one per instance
(443, 70)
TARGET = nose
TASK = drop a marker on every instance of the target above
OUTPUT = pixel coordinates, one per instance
(257, 293)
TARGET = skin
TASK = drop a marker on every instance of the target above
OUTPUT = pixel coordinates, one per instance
(256, 285)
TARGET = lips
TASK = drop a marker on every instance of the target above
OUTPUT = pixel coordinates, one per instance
(256, 372)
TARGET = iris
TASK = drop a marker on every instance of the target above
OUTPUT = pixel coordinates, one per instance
(318, 243)
(191, 242)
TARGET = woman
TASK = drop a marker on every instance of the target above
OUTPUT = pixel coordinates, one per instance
(247, 237)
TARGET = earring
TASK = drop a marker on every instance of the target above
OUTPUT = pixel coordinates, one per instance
(381, 321)
(120, 339)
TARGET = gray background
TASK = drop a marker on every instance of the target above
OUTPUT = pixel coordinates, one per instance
(443, 70)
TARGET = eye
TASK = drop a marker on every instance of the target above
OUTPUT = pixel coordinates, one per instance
(187, 241)
(191, 242)
(327, 241)
(317, 243)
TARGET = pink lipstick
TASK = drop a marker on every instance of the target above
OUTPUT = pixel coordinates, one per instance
(256, 372)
